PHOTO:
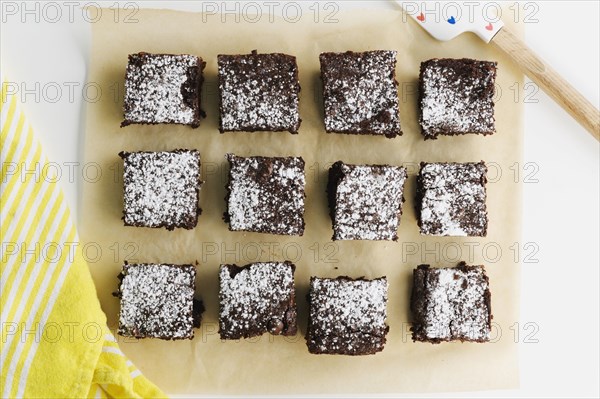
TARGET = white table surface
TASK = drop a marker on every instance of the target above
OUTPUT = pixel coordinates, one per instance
(559, 293)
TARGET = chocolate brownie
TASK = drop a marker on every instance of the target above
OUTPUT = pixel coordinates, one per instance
(360, 93)
(163, 88)
(365, 201)
(256, 299)
(451, 199)
(157, 301)
(457, 97)
(161, 189)
(450, 304)
(258, 92)
(265, 195)
(347, 316)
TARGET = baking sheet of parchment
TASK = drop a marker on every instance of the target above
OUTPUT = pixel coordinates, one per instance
(279, 365)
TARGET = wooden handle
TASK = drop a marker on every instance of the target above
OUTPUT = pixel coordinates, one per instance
(550, 81)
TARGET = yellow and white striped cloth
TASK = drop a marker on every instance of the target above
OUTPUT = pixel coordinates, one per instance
(55, 341)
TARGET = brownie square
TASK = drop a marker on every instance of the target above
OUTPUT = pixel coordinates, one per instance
(163, 88)
(365, 201)
(457, 97)
(258, 92)
(257, 298)
(450, 304)
(450, 199)
(347, 316)
(161, 189)
(265, 195)
(360, 93)
(157, 301)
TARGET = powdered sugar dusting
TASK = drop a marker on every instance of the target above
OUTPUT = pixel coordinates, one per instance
(368, 202)
(259, 92)
(456, 306)
(457, 97)
(158, 88)
(453, 199)
(161, 188)
(347, 316)
(157, 301)
(360, 92)
(266, 194)
(256, 299)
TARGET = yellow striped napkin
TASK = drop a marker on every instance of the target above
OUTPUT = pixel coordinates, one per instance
(55, 341)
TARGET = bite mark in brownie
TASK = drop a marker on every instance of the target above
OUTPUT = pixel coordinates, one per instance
(161, 189)
(365, 201)
(451, 304)
(360, 93)
(265, 195)
(258, 92)
(456, 97)
(256, 299)
(451, 199)
(163, 88)
(157, 301)
(347, 316)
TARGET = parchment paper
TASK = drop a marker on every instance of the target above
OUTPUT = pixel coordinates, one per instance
(278, 365)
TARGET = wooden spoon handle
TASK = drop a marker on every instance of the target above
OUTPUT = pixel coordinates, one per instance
(550, 81)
